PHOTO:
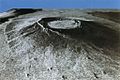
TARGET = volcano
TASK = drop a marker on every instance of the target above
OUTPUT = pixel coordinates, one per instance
(63, 44)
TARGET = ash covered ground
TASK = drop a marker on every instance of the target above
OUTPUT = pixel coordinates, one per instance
(60, 44)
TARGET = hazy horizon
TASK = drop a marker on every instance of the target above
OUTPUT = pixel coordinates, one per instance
(59, 4)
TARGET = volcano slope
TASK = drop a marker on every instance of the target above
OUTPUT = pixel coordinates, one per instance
(64, 44)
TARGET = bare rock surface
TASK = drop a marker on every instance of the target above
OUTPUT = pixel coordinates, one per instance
(64, 44)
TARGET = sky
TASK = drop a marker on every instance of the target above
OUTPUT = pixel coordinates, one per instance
(58, 4)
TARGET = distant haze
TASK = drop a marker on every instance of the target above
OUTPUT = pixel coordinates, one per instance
(8, 4)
